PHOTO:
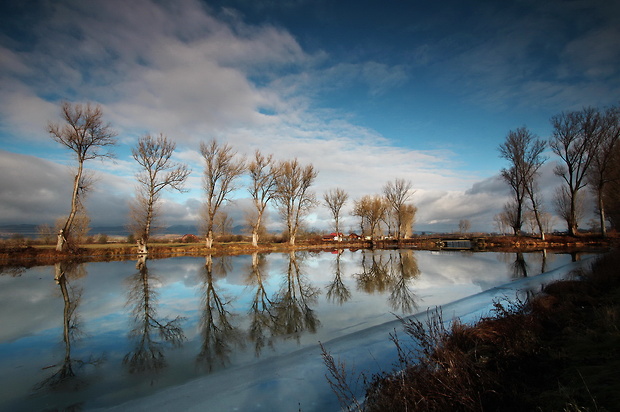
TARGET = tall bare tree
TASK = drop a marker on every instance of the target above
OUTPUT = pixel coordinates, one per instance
(603, 161)
(157, 172)
(524, 152)
(222, 168)
(264, 173)
(293, 196)
(397, 193)
(576, 138)
(335, 200)
(85, 133)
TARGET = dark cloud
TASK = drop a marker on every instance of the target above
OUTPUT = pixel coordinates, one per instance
(494, 184)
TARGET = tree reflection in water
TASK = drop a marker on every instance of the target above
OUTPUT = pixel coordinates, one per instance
(261, 313)
(404, 270)
(393, 274)
(337, 291)
(65, 375)
(292, 303)
(12, 270)
(150, 334)
(374, 276)
(219, 335)
(519, 266)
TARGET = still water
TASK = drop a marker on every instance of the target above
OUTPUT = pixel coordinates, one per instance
(81, 336)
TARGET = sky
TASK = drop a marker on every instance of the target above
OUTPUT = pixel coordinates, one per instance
(365, 91)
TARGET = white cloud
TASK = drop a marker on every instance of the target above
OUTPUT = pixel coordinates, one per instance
(192, 74)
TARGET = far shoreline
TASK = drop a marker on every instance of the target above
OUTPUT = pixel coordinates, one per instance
(40, 255)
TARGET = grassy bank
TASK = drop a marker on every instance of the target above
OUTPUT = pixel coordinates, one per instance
(560, 351)
(33, 254)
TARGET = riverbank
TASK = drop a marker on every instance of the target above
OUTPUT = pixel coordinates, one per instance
(560, 351)
(35, 255)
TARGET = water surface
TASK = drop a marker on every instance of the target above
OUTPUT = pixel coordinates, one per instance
(99, 334)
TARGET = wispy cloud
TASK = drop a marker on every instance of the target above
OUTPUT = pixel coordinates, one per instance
(195, 73)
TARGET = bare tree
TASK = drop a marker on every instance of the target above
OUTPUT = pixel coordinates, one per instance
(397, 193)
(371, 209)
(511, 216)
(548, 220)
(85, 133)
(293, 197)
(576, 137)
(571, 209)
(157, 172)
(499, 221)
(223, 224)
(464, 225)
(603, 160)
(335, 200)
(222, 168)
(524, 152)
(264, 173)
(46, 234)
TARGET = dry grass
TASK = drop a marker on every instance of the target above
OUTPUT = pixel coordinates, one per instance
(558, 352)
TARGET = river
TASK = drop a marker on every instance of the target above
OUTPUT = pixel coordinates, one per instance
(225, 333)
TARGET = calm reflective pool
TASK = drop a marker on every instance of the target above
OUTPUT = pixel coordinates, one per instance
(98, 334)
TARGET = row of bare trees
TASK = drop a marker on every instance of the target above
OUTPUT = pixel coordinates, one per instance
(86, 134)
(286, 184)
(586, 143)
(391, 209)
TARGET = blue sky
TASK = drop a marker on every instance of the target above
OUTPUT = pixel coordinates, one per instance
(366, 91)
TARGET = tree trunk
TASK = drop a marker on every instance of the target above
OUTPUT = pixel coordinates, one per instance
(538, 222)
(338, 231)
(62, 244)
(519, 222)
(209, 239)
(532, 195)
(143, 243)
(255, 229)
(142, 247)
(572, 219)
(601, 208)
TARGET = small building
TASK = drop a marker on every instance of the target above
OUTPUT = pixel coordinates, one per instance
(333, 237)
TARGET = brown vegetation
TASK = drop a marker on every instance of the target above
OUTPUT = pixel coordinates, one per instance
(558, 352)
(32, 253)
